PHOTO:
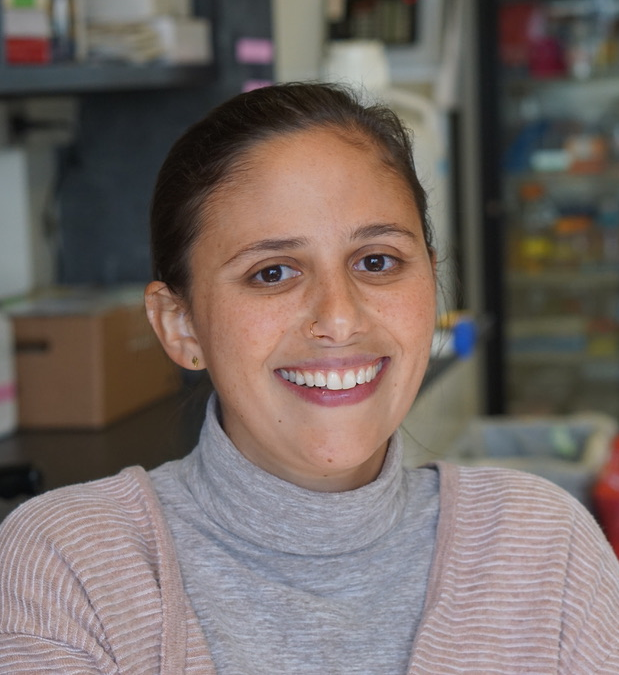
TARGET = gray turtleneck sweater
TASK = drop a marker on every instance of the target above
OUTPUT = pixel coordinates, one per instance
(286, 580)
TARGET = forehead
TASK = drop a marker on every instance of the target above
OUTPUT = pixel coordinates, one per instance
(319, 147)
(315, 165)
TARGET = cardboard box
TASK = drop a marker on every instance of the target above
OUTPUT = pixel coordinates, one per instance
(87, 359)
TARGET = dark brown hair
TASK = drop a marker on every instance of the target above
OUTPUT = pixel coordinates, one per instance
(207, 155)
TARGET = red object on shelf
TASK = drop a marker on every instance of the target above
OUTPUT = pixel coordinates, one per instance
(514, 40)
(606, 497)
(24, 50)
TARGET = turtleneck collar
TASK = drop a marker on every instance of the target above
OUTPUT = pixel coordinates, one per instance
(272, 513)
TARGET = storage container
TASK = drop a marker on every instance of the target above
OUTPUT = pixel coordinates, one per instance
(569, 451)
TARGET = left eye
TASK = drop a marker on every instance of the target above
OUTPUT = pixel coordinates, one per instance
(275, 273)
(375, 263)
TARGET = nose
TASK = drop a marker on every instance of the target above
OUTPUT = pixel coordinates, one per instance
(338, 310)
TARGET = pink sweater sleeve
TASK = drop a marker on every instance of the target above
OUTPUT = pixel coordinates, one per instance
(590, 637)
(523, 581)
(86, 585)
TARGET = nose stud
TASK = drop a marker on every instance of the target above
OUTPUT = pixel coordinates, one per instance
(318, 337)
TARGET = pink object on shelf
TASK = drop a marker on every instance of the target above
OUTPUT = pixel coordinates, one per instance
(254, 50)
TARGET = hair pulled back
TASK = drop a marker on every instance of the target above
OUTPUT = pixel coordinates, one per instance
(205, 157)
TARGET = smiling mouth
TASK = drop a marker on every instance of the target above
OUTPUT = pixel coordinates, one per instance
(332, 379)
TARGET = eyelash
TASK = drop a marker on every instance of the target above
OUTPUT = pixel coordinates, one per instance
(394, 263)
(258, 279)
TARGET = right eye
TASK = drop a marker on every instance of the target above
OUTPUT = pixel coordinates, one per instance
(274, 274)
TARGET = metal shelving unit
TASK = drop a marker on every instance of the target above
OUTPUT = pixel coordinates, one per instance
(76, 77)
(551, 219)
(82, 78)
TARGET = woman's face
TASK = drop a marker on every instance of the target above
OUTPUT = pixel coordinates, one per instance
(318, 231)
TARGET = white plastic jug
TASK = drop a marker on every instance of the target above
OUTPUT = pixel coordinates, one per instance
(357, 63)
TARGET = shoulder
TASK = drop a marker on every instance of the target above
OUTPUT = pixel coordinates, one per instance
(102, 506)
(93, 566)
(523, 517)
(525, 558)
(83, 534)
(508, 490)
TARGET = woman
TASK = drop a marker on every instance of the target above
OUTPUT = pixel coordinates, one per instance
(293, 261)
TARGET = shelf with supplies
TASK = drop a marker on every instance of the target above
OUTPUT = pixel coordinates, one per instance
(606, 173)
(576, 360)
(102, 47)
(593, 279)
(522, 85)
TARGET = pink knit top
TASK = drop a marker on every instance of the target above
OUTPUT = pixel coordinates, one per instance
(523, 581)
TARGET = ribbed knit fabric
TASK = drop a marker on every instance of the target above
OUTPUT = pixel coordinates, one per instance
(522, 582)
(89, 584)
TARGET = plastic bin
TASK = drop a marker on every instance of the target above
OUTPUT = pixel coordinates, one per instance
(569, 451)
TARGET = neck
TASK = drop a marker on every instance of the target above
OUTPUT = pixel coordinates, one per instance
(278, 514)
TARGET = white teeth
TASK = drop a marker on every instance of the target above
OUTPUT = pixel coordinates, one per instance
(350, 380)
(332, 380)
(320, 380)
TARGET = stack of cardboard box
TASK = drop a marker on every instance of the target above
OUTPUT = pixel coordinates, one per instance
(86, 358)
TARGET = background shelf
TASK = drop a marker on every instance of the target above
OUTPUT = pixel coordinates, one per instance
(77, 78)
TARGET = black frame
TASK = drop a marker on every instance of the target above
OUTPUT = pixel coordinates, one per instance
(492, 232)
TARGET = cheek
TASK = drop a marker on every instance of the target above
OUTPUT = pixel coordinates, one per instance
(244, 331)
(412, 313)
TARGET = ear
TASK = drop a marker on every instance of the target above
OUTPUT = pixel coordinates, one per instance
(171, 322)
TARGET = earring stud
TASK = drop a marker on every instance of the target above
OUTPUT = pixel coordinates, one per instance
(195, 361)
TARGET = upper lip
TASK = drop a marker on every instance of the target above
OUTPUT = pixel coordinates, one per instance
(342, 363)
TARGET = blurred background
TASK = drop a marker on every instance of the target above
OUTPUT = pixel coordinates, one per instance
(514, 107)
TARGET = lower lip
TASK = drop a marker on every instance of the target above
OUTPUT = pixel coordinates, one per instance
(336, 397)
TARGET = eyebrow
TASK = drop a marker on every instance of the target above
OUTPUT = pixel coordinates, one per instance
(382, 229)
(295, 243)
(269, 245)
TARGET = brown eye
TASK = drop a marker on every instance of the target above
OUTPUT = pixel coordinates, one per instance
(273, 274)
(376, 262)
